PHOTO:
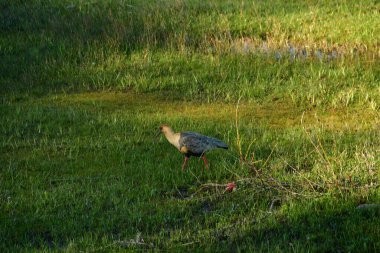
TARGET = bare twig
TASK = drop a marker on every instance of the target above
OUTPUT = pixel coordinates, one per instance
(238, 140)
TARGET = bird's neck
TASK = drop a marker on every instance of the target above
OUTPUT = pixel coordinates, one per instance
(172, 137)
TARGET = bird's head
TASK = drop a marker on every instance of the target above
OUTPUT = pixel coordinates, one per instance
(164, 129)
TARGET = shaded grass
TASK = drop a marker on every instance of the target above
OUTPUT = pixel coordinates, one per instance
(180, 23)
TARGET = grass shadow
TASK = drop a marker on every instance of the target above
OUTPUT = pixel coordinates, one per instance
(312, 227)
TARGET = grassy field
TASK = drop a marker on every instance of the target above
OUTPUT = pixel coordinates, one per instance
(293, 88)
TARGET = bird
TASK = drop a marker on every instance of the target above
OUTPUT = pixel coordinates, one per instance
(191, 143)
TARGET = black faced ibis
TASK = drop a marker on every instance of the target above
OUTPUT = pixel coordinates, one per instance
(191, 143)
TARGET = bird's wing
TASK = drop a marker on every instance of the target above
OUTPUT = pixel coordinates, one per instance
(197, 143)
(193, 142)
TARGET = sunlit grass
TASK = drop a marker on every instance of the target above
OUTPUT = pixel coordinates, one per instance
(85, 171)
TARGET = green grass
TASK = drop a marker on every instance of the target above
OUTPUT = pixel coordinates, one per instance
(214, 51)
(85, 84)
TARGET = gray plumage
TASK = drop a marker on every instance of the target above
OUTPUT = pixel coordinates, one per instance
(197, 144)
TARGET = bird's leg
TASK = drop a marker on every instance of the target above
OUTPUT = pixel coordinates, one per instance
(184, 163)
(205, 161)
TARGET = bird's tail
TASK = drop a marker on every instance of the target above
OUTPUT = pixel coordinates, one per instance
(220, 144)
(224, 146)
